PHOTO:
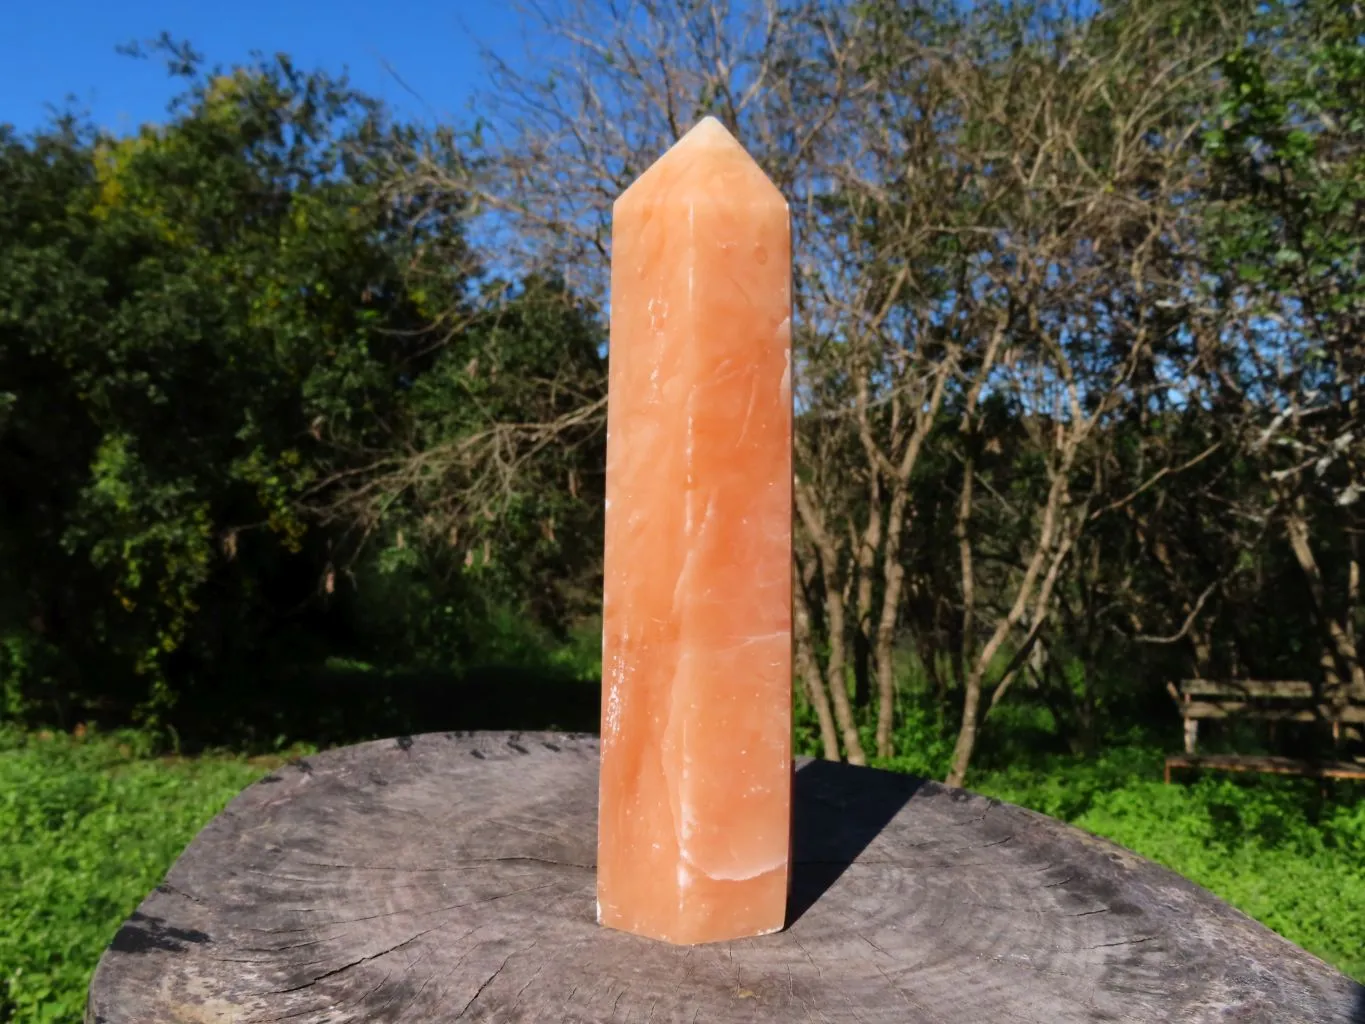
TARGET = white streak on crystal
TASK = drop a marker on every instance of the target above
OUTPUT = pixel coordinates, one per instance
(691, 442)
(735, 874)
(689, 815)
(785, 388)
(708, 514)
(616, 680)
(683, 574)
(762, 638)
(749, 410)
(658, 314)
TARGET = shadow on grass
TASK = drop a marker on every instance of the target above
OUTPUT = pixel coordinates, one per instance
(329, 707)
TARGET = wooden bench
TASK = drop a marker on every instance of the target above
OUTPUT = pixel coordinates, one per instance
(1271, 765)
(1273, 701)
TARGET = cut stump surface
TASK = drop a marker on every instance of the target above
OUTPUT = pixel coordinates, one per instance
(450, 878)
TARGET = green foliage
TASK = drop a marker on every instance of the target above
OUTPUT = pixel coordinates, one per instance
(176, 309)
(90, 827)
(250, 396)
(524, 532)
(1287, 155)
(1270, 847)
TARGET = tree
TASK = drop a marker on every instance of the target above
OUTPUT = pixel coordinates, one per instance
(495, 456)
(996, 209)
(186, 314)
(1284, 234)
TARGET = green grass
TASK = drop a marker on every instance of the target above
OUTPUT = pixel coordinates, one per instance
(90, 826)
(1272, 847)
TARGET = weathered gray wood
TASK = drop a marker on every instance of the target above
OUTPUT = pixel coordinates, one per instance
(450, 878)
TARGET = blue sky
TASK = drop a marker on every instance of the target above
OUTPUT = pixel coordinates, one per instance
(50, 49)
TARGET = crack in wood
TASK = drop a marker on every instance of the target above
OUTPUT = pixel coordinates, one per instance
(354, 963)
(478, 992)
(1124, 942)
(522, 991)
(419, 913)
(175, 890)
(456, 863)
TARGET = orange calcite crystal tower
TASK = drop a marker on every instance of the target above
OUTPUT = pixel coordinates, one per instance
(695, 811)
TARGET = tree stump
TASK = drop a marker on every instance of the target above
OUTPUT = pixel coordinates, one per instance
(450, 877)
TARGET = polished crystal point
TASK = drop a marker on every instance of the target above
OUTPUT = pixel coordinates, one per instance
(695, 807)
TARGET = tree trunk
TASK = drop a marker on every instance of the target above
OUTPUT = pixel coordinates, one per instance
(886, 626)
(1353, 592)
(1047, 547)
(1340, 654)
(862, 664)
(867, 546)
(966, 733)
(1200, 636)
(809, 669)
(834, 622)
(967, 671)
